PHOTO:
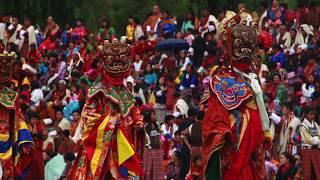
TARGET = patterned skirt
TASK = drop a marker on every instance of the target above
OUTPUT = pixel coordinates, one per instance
(152, 164)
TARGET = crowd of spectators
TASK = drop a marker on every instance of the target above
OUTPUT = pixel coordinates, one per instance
(56, 66)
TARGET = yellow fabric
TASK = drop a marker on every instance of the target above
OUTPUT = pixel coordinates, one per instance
(152, 99)
(245, 122)
(4, 137)
(26, 81)
(130, 32)
(99, 144)
(178, 79)
(125, 150)
(6, 155)
(92, 118)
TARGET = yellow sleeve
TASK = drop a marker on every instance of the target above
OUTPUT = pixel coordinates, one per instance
(305, 136)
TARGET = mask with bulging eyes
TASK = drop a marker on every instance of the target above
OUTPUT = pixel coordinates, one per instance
(243, 43)
(114, 58)
(6, 69)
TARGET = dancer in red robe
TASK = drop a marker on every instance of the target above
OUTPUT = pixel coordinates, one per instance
(236, 123)
(107, 121)
(17, 150)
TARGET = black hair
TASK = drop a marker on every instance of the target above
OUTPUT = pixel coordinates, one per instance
(35, 85)
(178, 155)
(264, 4)
(196, 158)
(307, 110)
(289, 157)
(289, 105)
(76, 111)
(34, 115)
(168, 118)
(192, 112)
(201, 115)
(66, 133)
(138, 101)
(69, 156)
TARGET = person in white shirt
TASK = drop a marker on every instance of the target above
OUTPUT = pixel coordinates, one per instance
(36, 94)
(169, 127)
(205, 22)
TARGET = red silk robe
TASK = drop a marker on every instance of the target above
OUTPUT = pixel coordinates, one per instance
(219, 129)
(108, 110)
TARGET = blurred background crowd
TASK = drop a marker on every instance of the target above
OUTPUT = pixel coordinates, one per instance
(57, 64)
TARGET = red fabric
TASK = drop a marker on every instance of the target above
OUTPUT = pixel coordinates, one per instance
(265, 39)
(217, 132)
(241, 165)
(215, 128)
(34, 57)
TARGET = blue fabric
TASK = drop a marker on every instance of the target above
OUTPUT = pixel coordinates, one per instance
(39, 39)
(43, 69)
(186, 83)
(168, 29)
(124, 171)
(5, 146)
(24, 135)
(272, 15)
(150, 78)
(64, 38)
(280, 57)
(70, 108)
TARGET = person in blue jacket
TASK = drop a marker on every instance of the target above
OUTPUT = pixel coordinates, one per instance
(189, 79)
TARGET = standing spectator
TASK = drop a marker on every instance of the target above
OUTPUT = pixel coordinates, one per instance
(275, 14)
(206, 20)
(27, 37)
(13, 30)
(150, 25)
(152, 159)
(106, 31)
(308, 89)
(288, 128)
(167, 26)
(79, 32)
(138, 31)
(310, 134)
(188, 23)
(161, 94)
(130, 30)
(195, 136)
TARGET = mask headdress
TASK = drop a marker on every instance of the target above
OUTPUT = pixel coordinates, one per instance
(114, 59)
(238, 35)
(6, 63)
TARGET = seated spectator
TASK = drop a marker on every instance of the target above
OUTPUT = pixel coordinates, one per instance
(150, 78)
(286, 169)
(196, 169)
(278, 55)
(189, 79)
(66, 144)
